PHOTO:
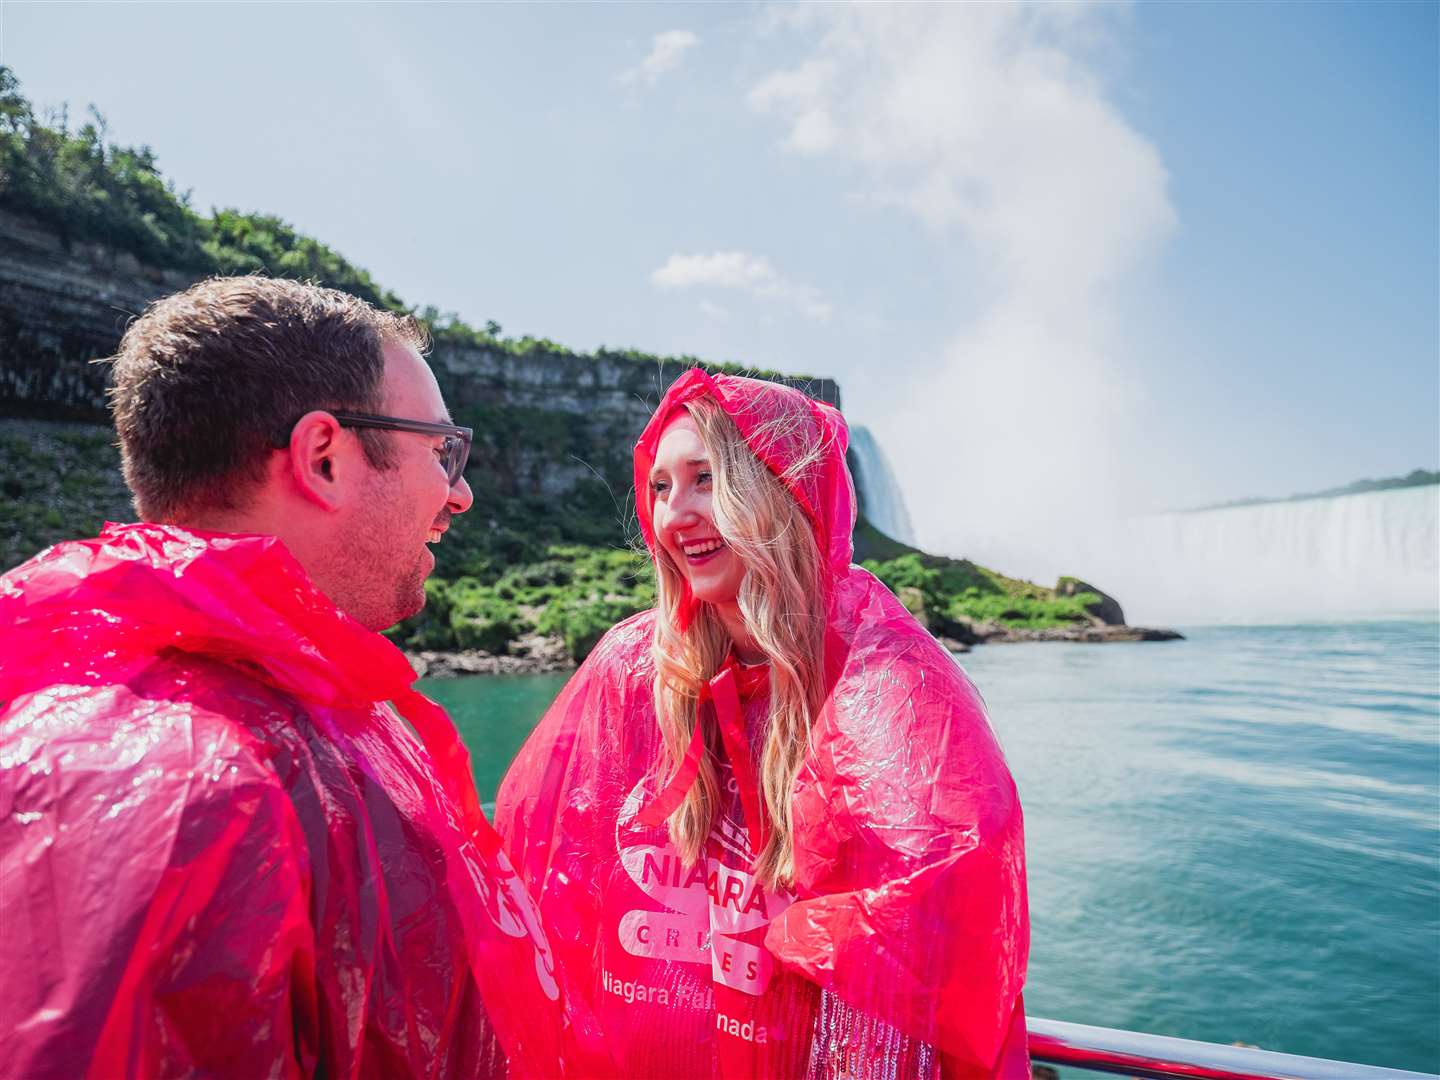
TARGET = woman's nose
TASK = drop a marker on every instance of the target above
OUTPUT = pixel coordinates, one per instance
(683, 508)
(677, 520)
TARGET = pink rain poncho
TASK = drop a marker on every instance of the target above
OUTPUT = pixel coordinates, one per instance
(223, 855)
(900, 951)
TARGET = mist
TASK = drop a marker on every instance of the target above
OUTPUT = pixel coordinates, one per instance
(1026, 424)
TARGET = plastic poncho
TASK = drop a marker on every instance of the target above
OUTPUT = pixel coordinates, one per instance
(901, 949)
(222, 854)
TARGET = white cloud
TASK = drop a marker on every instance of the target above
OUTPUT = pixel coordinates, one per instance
(714, 311)
(743, 272)
(667, 50)
(725, 269)
(984, 122)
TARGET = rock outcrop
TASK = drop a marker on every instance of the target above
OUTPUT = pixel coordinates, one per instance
(1107, 610)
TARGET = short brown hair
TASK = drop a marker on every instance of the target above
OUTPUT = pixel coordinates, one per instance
(208, 380)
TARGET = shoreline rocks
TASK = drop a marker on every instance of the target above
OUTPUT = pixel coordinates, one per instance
(536, 655)
(532, 654)
(1089, 635)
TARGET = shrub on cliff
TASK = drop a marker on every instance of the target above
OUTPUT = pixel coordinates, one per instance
(950, 596)
(87, 189)
(57, 481)
(236, 243)
(580, 619)
(574, 592)
(481, 619)
(606, 586)
(431, 628)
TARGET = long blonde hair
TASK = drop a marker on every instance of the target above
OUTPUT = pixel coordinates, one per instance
(782, 602)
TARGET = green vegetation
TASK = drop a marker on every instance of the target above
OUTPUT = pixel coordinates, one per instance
(574, 593)
(603, 587)
(57, 481)
(952, 596)
(85, 189)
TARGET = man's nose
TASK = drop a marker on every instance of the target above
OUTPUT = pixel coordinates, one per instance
(461, 497)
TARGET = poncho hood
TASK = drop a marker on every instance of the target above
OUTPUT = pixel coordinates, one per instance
(780, 425)
(229, 596)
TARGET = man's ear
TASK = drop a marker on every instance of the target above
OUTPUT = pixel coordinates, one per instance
(321, 459)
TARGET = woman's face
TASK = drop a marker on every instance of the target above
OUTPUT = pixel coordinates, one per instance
(682, 484)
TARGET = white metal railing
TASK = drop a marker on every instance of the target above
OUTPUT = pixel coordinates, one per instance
(1130, 1053)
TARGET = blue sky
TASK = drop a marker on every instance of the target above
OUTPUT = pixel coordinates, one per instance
(1064, 259)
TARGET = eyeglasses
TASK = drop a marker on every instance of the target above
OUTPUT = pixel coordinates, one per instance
(456, 449)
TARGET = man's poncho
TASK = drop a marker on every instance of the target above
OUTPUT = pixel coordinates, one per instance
(222, 854)
(901, 948)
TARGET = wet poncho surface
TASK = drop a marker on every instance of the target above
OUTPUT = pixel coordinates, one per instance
(901, 948)
(222, 854)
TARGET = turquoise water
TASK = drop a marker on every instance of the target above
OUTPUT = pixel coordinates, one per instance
(1235, 837)
(494, 713)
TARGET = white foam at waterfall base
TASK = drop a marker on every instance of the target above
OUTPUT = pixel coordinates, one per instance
(879, 492)
(1375, 553)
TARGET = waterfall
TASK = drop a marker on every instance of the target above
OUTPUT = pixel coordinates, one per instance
(880, 498)
(1371, 553)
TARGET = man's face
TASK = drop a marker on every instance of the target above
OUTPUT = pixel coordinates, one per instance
(384, 543)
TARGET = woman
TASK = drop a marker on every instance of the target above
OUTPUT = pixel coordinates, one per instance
(770, 815)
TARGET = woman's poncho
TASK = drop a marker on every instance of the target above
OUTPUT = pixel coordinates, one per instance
(901, 948)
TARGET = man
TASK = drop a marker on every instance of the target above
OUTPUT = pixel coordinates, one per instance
(221, 853)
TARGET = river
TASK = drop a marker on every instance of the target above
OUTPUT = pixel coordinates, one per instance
(1234, 837)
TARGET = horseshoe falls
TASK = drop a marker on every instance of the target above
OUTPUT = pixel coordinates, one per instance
(880, 498)
(1376, 553)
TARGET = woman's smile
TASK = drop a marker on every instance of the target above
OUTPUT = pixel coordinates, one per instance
(701, 551)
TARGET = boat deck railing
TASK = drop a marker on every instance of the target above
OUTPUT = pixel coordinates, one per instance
(1160, 1057)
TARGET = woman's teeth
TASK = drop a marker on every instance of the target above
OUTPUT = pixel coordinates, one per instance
(703, 547)
(435, 535)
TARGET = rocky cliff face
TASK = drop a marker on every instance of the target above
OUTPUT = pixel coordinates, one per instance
(60, 308)
(544, 421)
(547, 420)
